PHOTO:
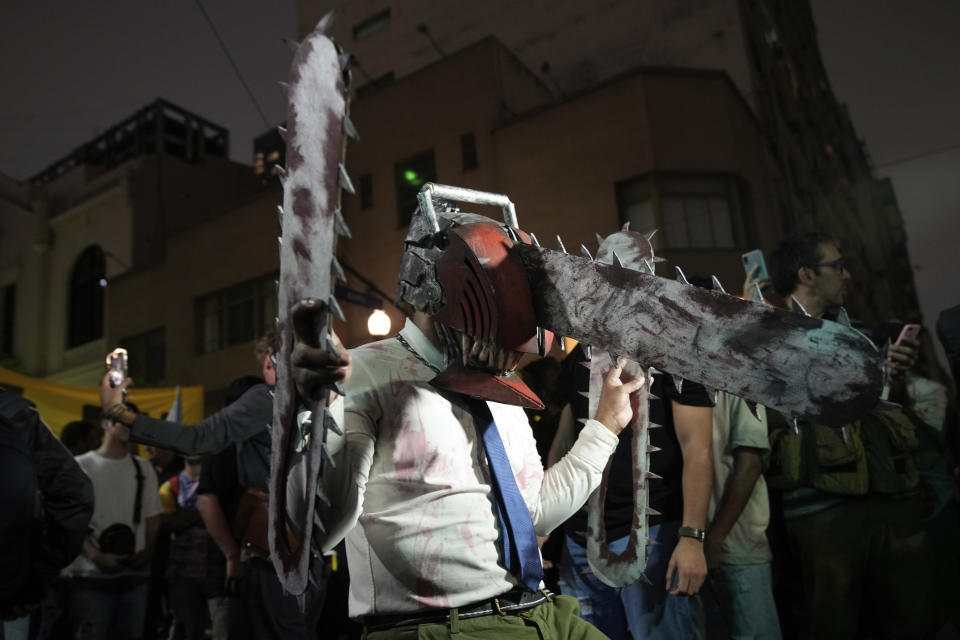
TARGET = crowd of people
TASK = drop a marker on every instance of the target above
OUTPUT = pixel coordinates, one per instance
(759, 526)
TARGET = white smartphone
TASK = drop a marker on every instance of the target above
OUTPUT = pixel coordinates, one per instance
(753, 259)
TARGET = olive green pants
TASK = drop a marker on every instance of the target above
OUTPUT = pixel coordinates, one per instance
(558, 619)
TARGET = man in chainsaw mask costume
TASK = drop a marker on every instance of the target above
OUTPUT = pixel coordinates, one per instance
(439, 474)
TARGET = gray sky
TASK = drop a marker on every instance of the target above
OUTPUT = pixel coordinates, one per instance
(74, 67)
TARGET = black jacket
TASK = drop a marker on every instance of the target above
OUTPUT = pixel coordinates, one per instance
(35, 552)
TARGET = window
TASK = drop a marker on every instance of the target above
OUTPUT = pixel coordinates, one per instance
(375, 86)
(85, 319)
(8, 301)
(468, 151)
(411, 174)
(147, 357)
(236, 314)
(691, 212)
(366, 191)
(371, 25)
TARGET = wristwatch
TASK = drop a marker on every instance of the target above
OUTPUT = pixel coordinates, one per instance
(691, 532)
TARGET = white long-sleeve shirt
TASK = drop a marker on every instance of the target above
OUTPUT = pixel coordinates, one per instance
(412, 474)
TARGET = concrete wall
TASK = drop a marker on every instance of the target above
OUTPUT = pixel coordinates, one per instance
(583, 42)
(232, 246)
(558, 163)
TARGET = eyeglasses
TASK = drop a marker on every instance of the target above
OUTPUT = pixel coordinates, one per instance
(837, 264)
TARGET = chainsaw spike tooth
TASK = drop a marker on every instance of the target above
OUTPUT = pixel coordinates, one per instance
(329, 422)
(322, 495)
(681, 276)
(284, 87)
(626, 227)
(616, 260)
(653, 512)
(647, 267)
(678, 383)
(292, 44)
(717, 285)
(798, 307)
(653, 448)
(754, 409)
(658, 259)
(334, 307)
(585, 394)
(282, 130)
(653, 476)
(599, 240)
(649, 234)
(340, 225)
(326, 455)
(582, 420)
(560, 243)
(757, 295)
(336, 270)
(589, 351)
(349, 128)
(326, 22)
(844, 318)
(585, 252)
(534, 241)
(654, 425)
(794, 425)
(345, 182)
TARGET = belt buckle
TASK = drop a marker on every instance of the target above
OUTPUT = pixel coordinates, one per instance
(496, 607)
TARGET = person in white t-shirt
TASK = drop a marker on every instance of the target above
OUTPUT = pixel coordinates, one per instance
(738, 554)
(108, 581)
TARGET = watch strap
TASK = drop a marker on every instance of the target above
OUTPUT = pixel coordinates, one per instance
(691, 532)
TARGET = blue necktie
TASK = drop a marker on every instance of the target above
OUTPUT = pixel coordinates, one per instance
(520, 551)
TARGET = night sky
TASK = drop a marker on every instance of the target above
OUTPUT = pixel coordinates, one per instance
(72, 69)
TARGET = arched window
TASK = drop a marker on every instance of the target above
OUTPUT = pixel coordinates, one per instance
(85, 318)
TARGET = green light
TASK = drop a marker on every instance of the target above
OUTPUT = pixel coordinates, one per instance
(411, 176)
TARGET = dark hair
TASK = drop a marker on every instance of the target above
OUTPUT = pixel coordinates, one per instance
(267, 345)
(802, 250)
(75, 433)
(239, 387)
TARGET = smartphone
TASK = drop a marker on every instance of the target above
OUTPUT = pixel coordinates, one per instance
(909, 331)
(117, 364)
(753, 259)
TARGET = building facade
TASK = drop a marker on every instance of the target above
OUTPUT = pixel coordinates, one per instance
(821, 172)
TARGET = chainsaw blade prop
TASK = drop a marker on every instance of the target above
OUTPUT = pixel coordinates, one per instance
(317, 126)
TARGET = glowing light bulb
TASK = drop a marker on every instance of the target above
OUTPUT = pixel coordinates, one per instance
(378, 324)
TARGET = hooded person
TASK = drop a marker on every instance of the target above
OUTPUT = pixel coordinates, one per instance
(438, 486)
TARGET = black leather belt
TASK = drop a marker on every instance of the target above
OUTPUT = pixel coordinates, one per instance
(510, 602)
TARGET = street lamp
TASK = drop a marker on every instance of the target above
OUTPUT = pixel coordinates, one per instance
(378, 324)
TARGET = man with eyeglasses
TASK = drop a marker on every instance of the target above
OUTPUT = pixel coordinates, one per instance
(850, 495)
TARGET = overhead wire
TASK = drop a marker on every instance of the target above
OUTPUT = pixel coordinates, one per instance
(236, 69)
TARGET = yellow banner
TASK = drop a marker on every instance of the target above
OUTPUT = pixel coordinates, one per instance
(59, 404)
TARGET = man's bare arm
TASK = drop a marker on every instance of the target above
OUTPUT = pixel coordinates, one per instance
(694, 427)
(747, 468)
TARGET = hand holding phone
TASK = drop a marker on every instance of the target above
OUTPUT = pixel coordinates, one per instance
(752, 260)
(117, 364)
(909, 332)
(756, 270)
